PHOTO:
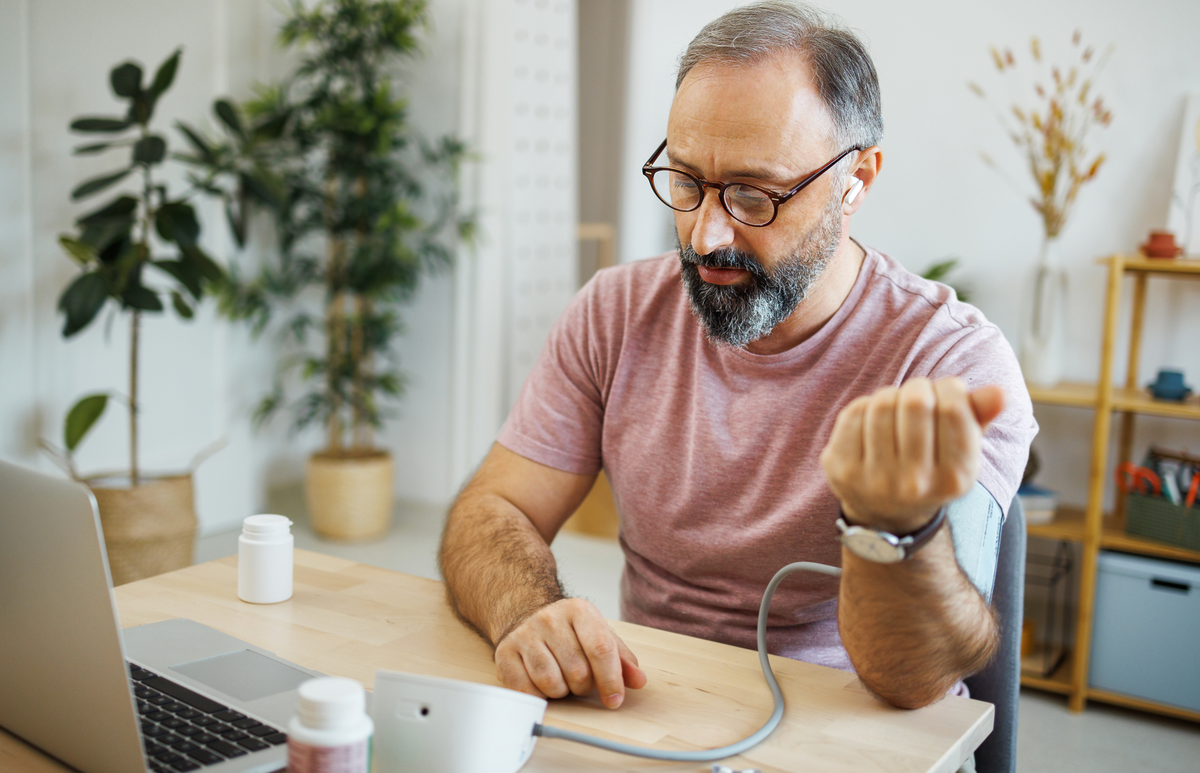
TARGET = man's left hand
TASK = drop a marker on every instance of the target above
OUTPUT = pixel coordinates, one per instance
(898, 455)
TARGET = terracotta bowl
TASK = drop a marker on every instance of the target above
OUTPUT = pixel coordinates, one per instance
(1161, 244)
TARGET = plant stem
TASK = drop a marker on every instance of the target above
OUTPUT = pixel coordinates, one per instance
(135, 324)
(133, 397)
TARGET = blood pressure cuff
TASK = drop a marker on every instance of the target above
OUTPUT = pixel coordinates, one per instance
(975, 521)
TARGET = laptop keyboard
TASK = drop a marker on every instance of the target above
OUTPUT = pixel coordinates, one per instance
(183, 730)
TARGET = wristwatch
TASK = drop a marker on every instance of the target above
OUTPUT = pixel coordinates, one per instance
(883, 547)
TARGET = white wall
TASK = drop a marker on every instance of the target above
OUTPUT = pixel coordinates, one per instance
(936, 198)
(57, 54)
(199, 380)
(500, 73)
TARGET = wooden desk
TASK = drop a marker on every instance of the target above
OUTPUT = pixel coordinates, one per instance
(349, 619)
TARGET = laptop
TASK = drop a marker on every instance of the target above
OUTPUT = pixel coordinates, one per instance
(168, 696)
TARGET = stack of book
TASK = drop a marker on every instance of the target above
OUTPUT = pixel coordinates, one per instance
(1039, 503)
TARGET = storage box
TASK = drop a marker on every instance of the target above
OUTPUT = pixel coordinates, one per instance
(1147, 629)
(1156, 518)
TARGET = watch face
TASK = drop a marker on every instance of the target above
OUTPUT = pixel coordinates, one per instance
(868, 544)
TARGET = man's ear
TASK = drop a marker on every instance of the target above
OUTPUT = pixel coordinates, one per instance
(862, 176)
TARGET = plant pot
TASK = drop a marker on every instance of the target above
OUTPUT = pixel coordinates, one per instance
(350, 494)
(149, 528)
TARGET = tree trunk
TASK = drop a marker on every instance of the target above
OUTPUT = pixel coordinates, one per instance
(335, 335)
(334, 320)
(363, 433)
(360, 368)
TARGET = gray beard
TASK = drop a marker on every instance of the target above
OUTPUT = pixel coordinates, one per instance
(735, 315)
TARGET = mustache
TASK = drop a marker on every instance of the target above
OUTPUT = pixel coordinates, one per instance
(726, 257)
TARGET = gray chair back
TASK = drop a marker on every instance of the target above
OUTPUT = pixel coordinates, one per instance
(1000, 682)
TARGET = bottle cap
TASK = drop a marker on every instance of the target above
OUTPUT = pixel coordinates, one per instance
(330, 703)
(266, 524)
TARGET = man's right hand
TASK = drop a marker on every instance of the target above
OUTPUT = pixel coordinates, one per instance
(496, 559)
(567, 648)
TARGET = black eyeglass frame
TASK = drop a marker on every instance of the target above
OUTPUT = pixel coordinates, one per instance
(776, 198)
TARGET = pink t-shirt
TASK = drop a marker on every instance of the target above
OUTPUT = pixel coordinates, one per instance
(712, 452)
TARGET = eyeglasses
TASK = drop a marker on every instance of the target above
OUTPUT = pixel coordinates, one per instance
(745, 203)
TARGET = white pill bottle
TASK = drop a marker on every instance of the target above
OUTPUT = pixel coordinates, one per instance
(265, 559)
(331, 732)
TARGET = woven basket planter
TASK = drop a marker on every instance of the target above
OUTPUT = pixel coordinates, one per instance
(350, 495)
(148, 529)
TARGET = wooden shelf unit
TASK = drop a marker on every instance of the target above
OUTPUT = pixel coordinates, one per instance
(1091, 527)
(1059, 681)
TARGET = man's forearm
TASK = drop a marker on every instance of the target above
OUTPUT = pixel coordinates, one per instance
(914, 628)
(498, 568)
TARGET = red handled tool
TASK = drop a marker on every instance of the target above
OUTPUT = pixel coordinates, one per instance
(1131, 477)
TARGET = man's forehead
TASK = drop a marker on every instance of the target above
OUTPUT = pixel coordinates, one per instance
(765, 120)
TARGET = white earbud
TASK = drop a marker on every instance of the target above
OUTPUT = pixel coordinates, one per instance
(852, 194)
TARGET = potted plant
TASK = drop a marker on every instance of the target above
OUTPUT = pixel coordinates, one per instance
(149, 521)
(366, 209)
(1051, 136)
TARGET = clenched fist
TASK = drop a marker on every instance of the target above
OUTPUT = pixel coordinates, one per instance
(898, 455)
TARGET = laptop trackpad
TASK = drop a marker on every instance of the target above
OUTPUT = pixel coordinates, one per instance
(245, 675)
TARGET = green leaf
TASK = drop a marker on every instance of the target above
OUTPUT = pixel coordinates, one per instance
(150, 149)
(186, 272)
(165, 75)
(81, 417)
(181, 307)
(126, 80)
(100, 125)
(120, 209)
(266, 407)
(939, 270)
(236, 224)
(82, 252)
(97, 184)
(81, 301)
(202, 147)
(126, 260)
(87, 150)
(262, 187)
(206, 265)
(176, 222)
(228, 115)
(109, 237)
(271, 128)
(137, 296)
(141, 108)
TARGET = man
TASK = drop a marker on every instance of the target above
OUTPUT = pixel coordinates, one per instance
(744, 393)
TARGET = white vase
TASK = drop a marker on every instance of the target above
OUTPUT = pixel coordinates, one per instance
(1044, 324)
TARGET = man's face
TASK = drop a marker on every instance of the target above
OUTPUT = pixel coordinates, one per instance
(768, 126)
(740, 312)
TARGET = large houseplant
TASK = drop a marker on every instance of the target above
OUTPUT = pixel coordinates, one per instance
(366, 209)
(149, 521)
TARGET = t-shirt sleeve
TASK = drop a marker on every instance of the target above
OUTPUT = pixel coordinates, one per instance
(558, 417)
(982, 356)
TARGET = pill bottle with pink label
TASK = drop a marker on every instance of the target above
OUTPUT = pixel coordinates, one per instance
(331, 732)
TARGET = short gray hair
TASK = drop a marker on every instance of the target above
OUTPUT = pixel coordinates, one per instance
(842, 68)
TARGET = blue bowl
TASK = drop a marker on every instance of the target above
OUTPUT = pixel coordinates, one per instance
(1169, 386)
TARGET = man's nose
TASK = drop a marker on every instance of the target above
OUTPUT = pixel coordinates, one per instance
(714, 228)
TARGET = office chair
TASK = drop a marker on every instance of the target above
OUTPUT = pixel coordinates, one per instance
(1000, 683)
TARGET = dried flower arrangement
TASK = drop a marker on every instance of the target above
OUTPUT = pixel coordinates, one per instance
(1051, 134)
